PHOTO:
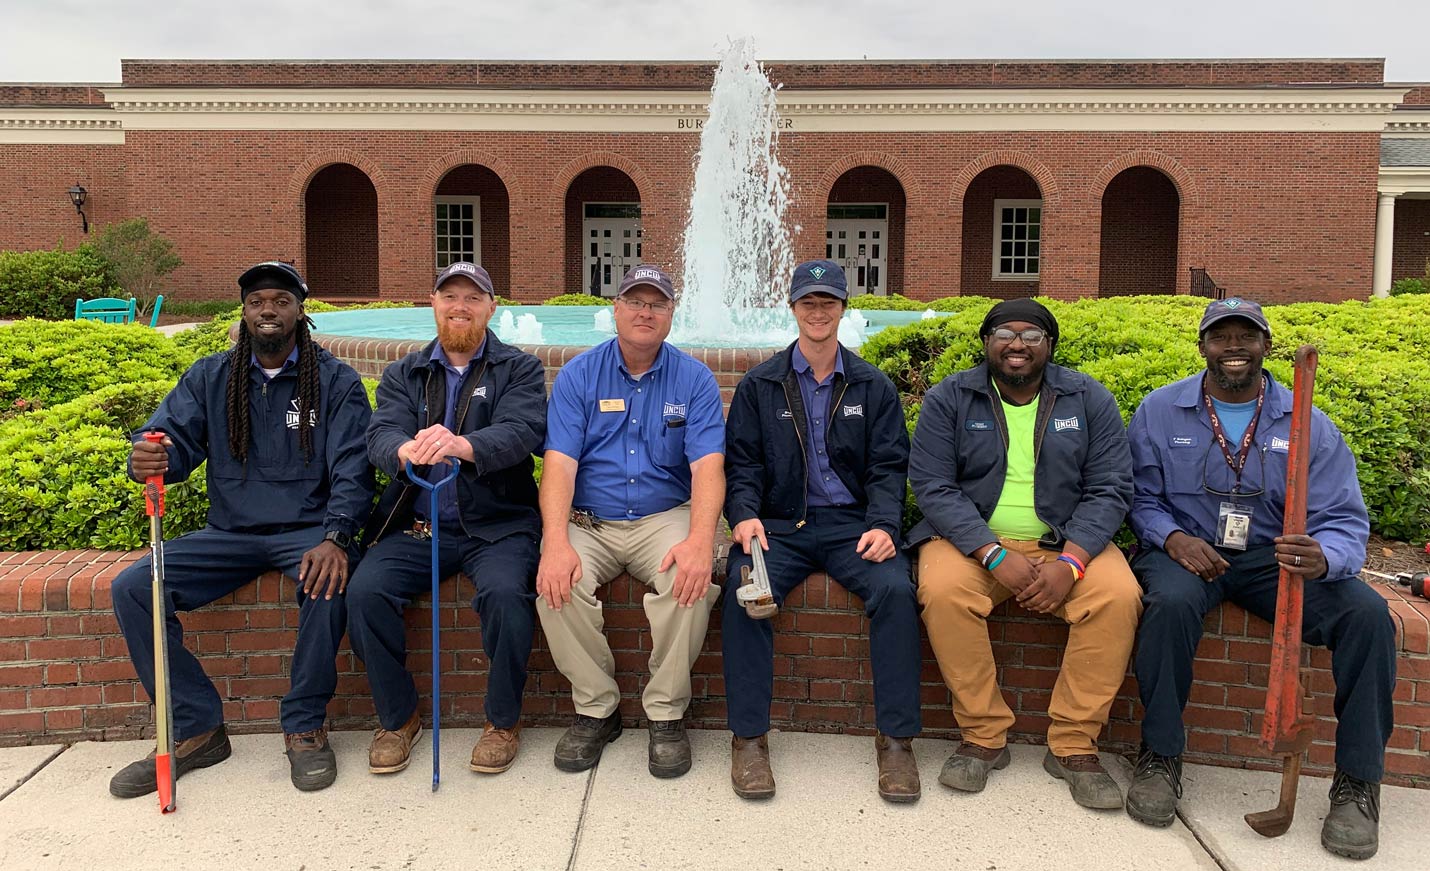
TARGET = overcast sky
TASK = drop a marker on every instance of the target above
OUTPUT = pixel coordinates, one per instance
(83, 40)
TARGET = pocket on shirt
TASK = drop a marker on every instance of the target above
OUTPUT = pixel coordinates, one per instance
(668, 446)
(1186, 466)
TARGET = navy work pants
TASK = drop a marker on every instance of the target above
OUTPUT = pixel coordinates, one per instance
(1347, 616)
(399, 568)
(825, 543)
(207, 565)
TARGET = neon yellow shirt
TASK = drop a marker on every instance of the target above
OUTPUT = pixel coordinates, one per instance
(1015, 517)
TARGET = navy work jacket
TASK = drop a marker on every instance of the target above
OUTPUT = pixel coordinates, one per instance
(766, 469)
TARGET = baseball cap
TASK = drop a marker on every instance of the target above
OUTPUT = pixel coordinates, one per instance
(467, 270)
(272, 275)
(1233, 307)
(818, 276)
(650, 276)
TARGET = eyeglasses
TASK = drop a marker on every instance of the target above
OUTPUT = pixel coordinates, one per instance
(660, 308)
(1258, 451)
(1031, 338)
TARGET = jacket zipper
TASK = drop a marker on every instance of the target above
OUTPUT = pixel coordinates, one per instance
(804, 512)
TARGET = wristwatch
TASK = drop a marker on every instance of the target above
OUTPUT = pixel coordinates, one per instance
(340, 538)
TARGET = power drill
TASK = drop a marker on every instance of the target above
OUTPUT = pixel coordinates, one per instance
(1418, 582)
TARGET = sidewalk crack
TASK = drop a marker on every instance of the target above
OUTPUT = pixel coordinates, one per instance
(36, 770)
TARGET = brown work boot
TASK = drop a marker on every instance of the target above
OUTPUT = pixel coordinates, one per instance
(496, 749)
(750, 772)
(898, 771)
(391, 751)
(1089, 782)
(311, 761)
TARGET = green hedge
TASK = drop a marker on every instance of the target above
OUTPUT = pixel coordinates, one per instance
(1370, 383)
(48, 362)
(63, 482)
(1410, 285)
(576, 299)
(45, 284)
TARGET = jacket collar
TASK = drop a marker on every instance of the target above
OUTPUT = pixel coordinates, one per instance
(493, 351)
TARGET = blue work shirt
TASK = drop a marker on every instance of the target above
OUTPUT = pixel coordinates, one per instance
(824, 488)
(447, 512)
(1175, 458)
(634, 438)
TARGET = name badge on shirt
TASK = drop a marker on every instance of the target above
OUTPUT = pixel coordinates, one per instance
(1233, 525)
(613, 405)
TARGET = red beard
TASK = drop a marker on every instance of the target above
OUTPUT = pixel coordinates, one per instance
(460, 341)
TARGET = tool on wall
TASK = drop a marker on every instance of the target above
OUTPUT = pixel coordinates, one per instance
(754, 593)
(434, 487)
(163, 702)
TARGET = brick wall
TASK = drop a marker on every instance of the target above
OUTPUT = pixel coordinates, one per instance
(340, 239)
(694, 74)
(67, 677)
(1412, 239)
(1139, 234)
(1275, 216)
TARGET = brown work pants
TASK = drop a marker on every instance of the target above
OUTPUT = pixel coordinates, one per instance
(957, 594)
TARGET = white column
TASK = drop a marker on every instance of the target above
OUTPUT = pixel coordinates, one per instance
(1384, 245)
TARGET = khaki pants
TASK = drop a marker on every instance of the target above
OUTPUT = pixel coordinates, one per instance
(957, 594)
(575, 633)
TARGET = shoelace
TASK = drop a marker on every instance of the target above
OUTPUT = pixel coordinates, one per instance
(1345, 788)
(1169, 767)
(308, 740)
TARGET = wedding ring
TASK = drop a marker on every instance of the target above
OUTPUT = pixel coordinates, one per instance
(1298, 561)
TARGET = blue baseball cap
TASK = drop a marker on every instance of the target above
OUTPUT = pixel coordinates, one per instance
(818, 276)
(1233, 307)
(471, 271)
(646, 275)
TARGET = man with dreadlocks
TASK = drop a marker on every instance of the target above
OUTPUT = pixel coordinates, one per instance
(281, 424)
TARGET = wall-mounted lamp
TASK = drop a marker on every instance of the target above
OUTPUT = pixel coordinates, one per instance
(77, 196)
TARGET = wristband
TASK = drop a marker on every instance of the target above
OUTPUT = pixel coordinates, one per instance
(989, 554)
(1002, 552)
(1078, 568)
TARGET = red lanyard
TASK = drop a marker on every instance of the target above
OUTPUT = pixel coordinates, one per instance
(1236, 461)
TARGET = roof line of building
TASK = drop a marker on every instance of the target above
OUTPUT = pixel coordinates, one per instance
(711, 62)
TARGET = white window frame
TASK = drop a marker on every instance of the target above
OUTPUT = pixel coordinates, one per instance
(476, 204)
(998, 207)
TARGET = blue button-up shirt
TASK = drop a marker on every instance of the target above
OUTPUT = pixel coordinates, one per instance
(634, 438)
(447, 512)
(824, 486)
(1175, 459)
(291, 361)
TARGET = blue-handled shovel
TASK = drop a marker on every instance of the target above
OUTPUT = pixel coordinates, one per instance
(433, 488)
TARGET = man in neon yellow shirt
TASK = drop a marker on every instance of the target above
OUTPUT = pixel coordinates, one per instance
(1022, 470)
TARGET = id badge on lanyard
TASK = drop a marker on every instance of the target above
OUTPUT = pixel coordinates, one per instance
(1233, 525)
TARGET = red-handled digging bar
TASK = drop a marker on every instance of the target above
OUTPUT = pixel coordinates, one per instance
(163, 703)
(1286, 729)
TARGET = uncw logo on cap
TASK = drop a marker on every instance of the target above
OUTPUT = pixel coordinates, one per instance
(817, 272)
(1231, 303)
(646, 273)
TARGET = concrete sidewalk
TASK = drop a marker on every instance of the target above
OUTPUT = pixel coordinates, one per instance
(827, 815)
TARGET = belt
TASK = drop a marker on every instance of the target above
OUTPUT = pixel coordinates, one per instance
(420, 529)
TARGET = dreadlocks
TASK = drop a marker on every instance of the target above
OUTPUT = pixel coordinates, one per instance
(239, 421)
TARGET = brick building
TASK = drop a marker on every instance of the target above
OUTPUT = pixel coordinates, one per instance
(1282, 179)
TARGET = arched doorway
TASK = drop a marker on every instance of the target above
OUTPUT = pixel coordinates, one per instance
(864, 230)
(471, 220)
(340, 234)
(1002, 234)
(1138, 252)
(603, 231)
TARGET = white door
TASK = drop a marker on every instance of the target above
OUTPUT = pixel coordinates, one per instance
(611, 241)
(859, 245)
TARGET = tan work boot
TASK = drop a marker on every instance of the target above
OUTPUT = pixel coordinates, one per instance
(496, 749)
(391, 751)
(750, 772)
(898, 771)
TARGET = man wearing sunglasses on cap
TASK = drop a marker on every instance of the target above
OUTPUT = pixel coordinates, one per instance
(1022, 471)
(1209, 459)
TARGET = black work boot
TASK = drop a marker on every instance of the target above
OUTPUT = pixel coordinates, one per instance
(312, 764)
(1156, 786)
(201, 751)
(581, 746)
(1352, 828)
(669, 748)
